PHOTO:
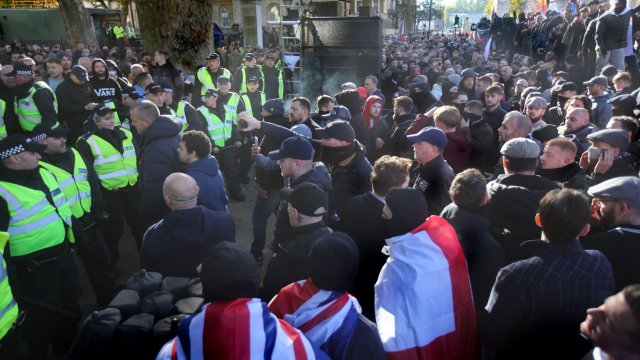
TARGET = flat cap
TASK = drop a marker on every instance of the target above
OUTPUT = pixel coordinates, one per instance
(622, 188)
(536, 102)
(520, 148)
(614, 137)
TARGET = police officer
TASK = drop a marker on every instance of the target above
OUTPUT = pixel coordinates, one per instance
(206, 78)
(232, 102)
(244, 72)
(155, 93)
(273, 79)
(225, 138)
(35, 102)
(252, 99)
(82, 189)
(8, 308)
(109, 150)
(42, 273)
(183, 110)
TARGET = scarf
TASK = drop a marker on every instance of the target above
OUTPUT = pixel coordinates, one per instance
(236, 329)
(336, 155)
(327, 318)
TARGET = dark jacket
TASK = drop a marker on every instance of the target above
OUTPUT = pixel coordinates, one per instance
(494, 119)
(458, 150)
(206, 172)
(621, 167)
(399, 144)
(363, 222)
(270, 179)
(537, 304)
(621, 247)
(579, 137)
(175, 245)
(290, 263)
(352, 101)
(271, 83)
(158, 159)
(602, 111)
(72, 99)
(570, 176)
(168, 75)
(484, 255)
(513, 204)
(434, 179)
(482, 145)
(105, 89)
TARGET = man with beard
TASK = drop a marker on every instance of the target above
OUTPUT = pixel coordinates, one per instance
(630, 125)
(299, 114)
(402, 118)
(597, 90)
(493, 113)
(535, 107)
(558, 163)
(468, 83)
(616, 202)
(577, 127)
(105, 89)
(555, 114)
(514, 101)
(67, 61)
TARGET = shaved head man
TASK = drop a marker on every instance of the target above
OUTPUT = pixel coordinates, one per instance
(180, 191)
(576, 119)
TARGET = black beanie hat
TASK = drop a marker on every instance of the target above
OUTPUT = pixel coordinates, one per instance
(229, 272)
(333, 262)
(408, 210)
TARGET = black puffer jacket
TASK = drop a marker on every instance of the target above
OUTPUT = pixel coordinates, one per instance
(513, 203)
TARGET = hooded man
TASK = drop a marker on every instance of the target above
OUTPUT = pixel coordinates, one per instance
(377, 126)
(351, 100)
(105, 89)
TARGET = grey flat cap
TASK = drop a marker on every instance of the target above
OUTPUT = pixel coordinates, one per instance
(623, 188)
(614, 137)
(520, 148)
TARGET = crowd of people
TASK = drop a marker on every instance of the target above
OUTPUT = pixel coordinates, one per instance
(460, 205)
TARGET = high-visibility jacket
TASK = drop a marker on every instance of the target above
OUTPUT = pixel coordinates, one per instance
(280, 82)
(34, 223)
(219, 131)
(243, 84)
(247, 102)
(231, 107)
(179, 113)
(118, 31)
(3, 127)
(131, 31)
(206, 80)
(114, 169)
(75, 186)
(28, 114)
(116, 118)
(8, 306)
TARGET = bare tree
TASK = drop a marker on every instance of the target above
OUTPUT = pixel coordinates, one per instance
(185, 28)
(79, 24)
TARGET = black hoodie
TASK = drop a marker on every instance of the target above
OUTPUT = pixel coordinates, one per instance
(106, 89)
(352, 101)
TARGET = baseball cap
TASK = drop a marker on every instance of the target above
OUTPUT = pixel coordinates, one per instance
(63, 54)
(274, 106)
(468, 73)
(80, 72)
(223, 79)
(430, 134)
(597, 80)
(614, 137)
(211, 92)
(133, 93)
(536, 102)
(252, 79)
(154, 89)
(21, 69)
(609, 70)
(308, 198)
(213, 56)
(229, 272)
(168, 90)
(302, 129)
(294, 147)
(567, 86)
(521, 148)
(339, 130)
(622, 188)
(102, 109)
(338, 112)
(16, 144)
(249, 56)
(43, 131)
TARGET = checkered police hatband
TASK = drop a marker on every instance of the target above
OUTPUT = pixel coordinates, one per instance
(39, 137)
(12, 151)
(24, 72)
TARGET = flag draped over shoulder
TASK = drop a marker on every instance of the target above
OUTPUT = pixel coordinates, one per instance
(238, 329)
(424, 307)
(327, 318)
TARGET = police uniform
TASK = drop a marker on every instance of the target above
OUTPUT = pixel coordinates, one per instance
(207, 79)
(41, 269)
(35, 102)
(273, 81)
(242, 75)
(82, 190)
(224, 134)
(112, 155)
(253, 107)
(184, 112)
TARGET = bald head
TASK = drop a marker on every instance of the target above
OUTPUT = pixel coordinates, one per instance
(576, 119)
(522, 123)
(85, 62)
(180, 191)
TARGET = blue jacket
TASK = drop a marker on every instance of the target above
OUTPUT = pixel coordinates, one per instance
(206, 172)
(159, 159)
(174, 246)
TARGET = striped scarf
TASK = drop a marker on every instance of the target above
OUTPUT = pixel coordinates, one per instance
(327, 318)
(242, 329)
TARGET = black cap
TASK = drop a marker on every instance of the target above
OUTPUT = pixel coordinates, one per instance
(16, 144)
(229, 272)
(545, 133)
(295, 148)
(252, 79)
(213, 56)
(270, 56)
(593, 2)
(338, 112)
(211, 92)
(249, 57)
(21, 69)
(307, 198)
(274, 106)
(339, 130)
(333, 262)
(80, 72)
(154, 88)
(133, 93)
(223, 79)
(609, 71)
(43, 131)
(567, 86)
(102, 109)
